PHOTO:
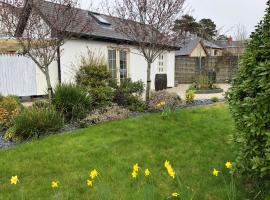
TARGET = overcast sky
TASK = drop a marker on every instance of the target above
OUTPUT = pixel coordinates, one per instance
(225, 13)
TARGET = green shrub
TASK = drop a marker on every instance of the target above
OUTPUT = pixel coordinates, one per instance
(72, 100)
(202, 82)
(215, 99)
(128, 94)
(101, 97)
(10, 106)
(42, 104)
(163, 99)
(190, 95)
(34, 122)
(93, 75)
(249, 103)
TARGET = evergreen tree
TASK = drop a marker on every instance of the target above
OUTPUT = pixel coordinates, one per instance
(249, 100)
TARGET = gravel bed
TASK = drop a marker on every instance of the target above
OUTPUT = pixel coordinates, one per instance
(3, 143)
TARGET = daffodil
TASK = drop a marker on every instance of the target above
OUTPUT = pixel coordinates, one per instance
(175, 194)
(215, 172)
(93, 174)
(54, 184)
(134, 174)
(136, 167)
(228, 165)
(14, 180)
(169, 169)
(147, 172)
(90, 183)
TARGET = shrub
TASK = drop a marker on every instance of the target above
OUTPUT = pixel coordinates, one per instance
(190, 95)
(202, 82)
(101, 97)
(249, 103)
(128, 94)
(93, 75)
(42, 104)
(72, 100)
(34, 122)
(215, 99)
(10, 106)
(110, 113)
(163, 99)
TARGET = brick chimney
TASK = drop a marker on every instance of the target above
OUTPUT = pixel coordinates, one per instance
(230, 40)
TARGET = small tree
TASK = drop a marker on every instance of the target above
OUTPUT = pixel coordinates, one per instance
(41, 28)
(249, 102)
(149, 25)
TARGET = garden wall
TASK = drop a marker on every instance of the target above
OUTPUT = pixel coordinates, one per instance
(187, 68)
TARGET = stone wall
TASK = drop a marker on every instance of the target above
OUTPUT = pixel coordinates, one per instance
(187, 68)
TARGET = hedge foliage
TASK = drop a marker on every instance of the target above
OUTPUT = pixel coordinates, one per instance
(249, 100)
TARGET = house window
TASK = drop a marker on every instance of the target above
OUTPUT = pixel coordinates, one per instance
(118, 63)
(123, 64)
(215, 52)
(162, 63)
(112, 63)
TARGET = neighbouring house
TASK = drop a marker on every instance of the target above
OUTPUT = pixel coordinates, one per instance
(194, 46)
(235, 48)
(122, 56)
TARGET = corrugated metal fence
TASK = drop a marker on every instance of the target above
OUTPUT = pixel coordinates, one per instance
(17, 75)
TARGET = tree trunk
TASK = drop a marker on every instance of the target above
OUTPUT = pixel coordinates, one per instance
(148, 85)
(49, 85)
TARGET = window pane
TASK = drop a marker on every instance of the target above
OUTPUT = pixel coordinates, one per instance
(112, 62)
(123, 64)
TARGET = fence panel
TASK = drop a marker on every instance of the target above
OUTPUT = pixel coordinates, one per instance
(17, 75)
(187, 68)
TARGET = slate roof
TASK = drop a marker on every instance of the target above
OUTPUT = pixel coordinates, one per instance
(187, 46)
(87, 23)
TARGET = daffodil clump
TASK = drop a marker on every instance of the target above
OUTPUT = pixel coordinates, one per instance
(93, 174)
(169, 169)
(161, 104)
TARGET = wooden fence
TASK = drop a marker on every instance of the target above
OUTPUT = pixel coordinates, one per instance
(187, 68)
(17, 75)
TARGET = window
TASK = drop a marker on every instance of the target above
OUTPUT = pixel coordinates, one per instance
(162, 63)
(118, 63)
(112, 63)
(123, 64)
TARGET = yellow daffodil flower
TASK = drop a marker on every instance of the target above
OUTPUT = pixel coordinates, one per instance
(14, 180)
(54, 184)
(228, 165)
(93, 174)
(147, 172)
(90, 183)
(134, 174)
(215, 172)
(175, 194)
(136, 167)
(167, 163)
(169, 169)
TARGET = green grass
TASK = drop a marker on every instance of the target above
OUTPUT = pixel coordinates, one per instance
(193, 140)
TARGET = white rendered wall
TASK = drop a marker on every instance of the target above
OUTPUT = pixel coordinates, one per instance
(72, 50)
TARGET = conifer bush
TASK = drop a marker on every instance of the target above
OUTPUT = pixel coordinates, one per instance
(249, 100)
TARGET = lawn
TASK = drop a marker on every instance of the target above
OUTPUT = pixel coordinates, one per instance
(194, 141)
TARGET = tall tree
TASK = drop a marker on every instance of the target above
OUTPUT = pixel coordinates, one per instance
(249, 102)
(149, 25)
(187, 24)
(41, 28)
(208, 29)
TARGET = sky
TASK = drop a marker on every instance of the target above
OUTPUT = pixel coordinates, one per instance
(227, 14)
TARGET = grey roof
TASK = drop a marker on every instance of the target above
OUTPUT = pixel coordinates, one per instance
(231, 44)
(187, 46)
(209, 44)
(86, 24)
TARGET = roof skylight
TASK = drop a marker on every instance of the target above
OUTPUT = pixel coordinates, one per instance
(100, 19)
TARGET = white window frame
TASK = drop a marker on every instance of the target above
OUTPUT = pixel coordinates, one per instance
(118, 50)
(162, 63)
